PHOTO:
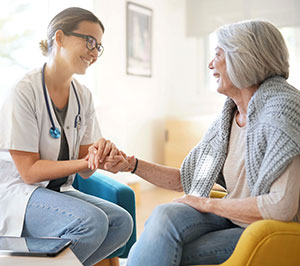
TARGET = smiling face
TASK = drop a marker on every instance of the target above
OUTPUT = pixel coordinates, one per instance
(218, 65)
(75, 52)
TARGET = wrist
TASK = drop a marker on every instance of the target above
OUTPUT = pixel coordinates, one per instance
(210, 205)
(133, 165)
(83, 164)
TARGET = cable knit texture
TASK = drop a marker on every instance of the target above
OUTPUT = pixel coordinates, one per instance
(273, 139)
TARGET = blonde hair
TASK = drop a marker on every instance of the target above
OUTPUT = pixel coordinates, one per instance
(254, 51)
(67, 21)
(44, 47)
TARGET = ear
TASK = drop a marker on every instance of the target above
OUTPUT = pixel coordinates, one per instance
(59, 38)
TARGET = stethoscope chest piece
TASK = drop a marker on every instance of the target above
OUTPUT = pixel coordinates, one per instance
(54, 132)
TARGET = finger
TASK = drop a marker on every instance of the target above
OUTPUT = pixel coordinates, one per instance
(119, 166)
(92, 156)
(111, 158)
(181, 200)
(176, 200)
(114, 150)
(106, 150)
(113, 167)
(89, 157)
(100, 147)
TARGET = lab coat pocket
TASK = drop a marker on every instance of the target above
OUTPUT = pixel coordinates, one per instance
(78, 136)
(81, 133)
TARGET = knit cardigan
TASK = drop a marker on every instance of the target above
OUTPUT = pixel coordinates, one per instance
(272, 140)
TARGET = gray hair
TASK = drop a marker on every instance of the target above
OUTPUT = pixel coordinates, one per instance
(67, 21)
(254, 51)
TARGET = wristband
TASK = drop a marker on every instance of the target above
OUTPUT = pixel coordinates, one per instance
(136, 165)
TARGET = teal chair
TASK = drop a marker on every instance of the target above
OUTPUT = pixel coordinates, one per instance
(109, 189)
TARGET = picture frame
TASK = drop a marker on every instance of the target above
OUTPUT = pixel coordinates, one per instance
(138, 40)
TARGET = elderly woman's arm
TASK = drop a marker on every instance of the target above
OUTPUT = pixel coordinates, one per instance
(159, 175)
(242, 210)
(281, 203)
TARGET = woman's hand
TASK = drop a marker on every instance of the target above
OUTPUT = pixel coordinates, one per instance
(99, 151)
(119, 163)
(198, 203)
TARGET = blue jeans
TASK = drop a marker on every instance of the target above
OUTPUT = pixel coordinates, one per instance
(96, 227)
(177, 234)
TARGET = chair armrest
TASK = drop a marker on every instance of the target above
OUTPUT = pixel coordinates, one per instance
(267, 242)
(109, 189)
(217, 194)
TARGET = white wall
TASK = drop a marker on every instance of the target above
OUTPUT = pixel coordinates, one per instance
(205, 16)
(132, 109)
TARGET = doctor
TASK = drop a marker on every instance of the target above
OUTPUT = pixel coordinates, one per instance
(50, 126)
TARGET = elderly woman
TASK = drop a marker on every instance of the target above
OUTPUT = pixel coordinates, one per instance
(252, 149)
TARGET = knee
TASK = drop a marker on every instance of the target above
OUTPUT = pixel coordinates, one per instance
(88, 233)
(125, 225)
(163, 214)
(93, 226)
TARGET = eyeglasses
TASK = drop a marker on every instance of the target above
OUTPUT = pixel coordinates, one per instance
(91, 42)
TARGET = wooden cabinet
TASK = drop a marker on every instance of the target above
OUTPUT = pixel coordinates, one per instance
(181, 135)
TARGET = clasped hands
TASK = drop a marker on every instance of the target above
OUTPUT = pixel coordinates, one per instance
(103, 154)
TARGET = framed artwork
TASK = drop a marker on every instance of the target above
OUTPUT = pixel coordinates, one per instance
(138, 40)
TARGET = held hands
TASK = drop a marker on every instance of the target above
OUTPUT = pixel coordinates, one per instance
(103, 154)
(119, 163)
(99, 151)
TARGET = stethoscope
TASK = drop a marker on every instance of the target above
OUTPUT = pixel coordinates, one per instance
(54, 131)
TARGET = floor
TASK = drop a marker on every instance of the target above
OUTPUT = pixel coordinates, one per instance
(149, 199)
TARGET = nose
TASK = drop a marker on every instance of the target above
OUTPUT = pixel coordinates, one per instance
(210, 64)
(94, 53)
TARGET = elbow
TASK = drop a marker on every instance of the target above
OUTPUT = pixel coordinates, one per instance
(180, 189)
(288, 213)
(27, 179)
(287, 217)
(283, 214)
(28, 182)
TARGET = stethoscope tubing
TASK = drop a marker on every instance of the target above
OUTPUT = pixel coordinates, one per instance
(54, 131)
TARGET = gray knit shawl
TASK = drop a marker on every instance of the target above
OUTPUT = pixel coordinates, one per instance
(272, 140)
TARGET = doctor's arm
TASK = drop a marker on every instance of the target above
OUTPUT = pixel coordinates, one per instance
(33, 169)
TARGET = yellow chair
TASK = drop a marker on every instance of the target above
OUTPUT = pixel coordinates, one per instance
(266, 242)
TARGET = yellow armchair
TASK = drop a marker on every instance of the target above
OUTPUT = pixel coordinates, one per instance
(266, 242)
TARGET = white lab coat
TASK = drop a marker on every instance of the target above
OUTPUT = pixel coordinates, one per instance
(25, 126)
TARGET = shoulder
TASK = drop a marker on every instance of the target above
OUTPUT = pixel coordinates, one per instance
(275, 99)
(84, 93)
(31, 79)
(28, 88)
(275, 90)
(276, 106)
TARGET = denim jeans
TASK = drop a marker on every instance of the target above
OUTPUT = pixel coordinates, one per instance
(96, 227)
(177, 234)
